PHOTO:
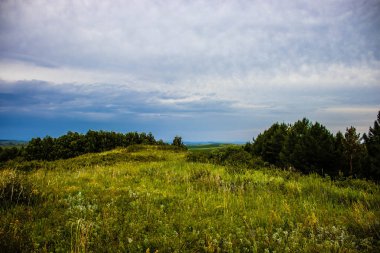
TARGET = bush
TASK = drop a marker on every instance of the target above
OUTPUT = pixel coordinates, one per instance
(8, 153)
(16, 189)
(235, 157)
(200, 157)
(135, 148)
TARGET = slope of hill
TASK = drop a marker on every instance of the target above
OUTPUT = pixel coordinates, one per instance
(144, 199)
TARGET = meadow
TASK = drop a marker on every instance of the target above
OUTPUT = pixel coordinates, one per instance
(152, 199)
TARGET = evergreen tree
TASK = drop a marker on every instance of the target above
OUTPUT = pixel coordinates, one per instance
(320, 149)
(372, 143)
(352, 148)
(339, 160)
(293, 152)
(309, 147)
(269, 144)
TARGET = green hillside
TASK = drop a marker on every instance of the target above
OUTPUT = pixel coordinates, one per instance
(147, 199)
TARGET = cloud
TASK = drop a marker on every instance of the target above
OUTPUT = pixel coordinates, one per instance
(350, 110)
(236, 88)
(353, 115)
(97, 101)
(198, 62)
(158, 37)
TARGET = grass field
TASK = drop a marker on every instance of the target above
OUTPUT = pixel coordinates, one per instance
(149, 200)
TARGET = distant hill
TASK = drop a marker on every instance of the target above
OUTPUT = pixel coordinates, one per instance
(12, 143)
(202, 146)
(200, 143)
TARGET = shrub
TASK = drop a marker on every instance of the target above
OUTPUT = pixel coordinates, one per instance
(15, 189)
(236, 158)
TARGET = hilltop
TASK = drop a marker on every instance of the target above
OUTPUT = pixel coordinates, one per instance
(148, 198)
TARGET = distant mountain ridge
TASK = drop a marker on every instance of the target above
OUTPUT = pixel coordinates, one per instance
(12, 142)
(195, 143)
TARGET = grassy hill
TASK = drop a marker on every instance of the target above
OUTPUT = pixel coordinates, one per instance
(145, 199)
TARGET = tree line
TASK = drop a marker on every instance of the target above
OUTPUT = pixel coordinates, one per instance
(311, 147)
(304, 146)
(74, 144)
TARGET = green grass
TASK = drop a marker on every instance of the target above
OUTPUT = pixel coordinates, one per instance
(209, 147)
(147, 199)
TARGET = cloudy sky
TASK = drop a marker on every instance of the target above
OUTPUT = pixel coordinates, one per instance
(212, 70)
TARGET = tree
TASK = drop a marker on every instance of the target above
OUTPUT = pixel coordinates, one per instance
(352, 147)
(150, 139)
(131, 138)
(92, 141)
(309, 148)
(47, 145)
(372, 143)
(34, 149)
(8, 153)
(74, 144)
(293, 152)
(269, 144)
(177, 142)
(339, 159)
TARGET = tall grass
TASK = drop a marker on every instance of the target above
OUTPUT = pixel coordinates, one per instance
(146, 199)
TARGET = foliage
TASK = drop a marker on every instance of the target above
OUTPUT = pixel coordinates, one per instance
(177, 142)
(131, 153)
(340, 162)
(269, 144)
(9, 153)
(353, 150)
(311, 148)
(372, 143)
(15, 188)
(107, 203)
(74, 144)
(232, 156)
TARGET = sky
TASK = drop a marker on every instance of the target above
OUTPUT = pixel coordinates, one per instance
(212, 70)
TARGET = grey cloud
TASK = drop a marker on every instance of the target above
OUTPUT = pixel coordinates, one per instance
(174, 39)
(205, 62)
(37, 97)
